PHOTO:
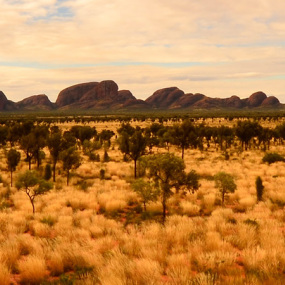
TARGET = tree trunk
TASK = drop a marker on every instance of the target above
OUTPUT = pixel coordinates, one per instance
(67, 181)
(182, 152)
(11, 178)
(223, 198)
(53, 170)
(163, 211)
(135, 170)
(32, 202)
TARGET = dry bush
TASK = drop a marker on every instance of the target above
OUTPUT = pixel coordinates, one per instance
(242, 243)
(179, 268)
(145, 271)
(55, 264)
(4, 275)
(32, 269)
(189, 208)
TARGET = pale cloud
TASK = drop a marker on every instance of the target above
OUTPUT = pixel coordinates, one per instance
(236, 47)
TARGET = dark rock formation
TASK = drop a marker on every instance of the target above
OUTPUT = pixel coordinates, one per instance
(164, 98)
(125, 95)
(106, 95)
(234, 102)
(73, 93)
(94, 95)
(36, 102)
(3, 101)
(270, 101)
(5, 104)
(174, 98)
(256, 99)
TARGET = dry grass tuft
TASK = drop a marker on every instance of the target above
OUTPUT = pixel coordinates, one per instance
(32, 269)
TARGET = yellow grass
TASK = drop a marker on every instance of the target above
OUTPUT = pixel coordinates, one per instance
(99, 234)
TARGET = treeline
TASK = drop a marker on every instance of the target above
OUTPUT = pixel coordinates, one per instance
(30, 139)
(133, 142)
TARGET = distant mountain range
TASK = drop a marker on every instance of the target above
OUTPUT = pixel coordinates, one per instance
(106, 95)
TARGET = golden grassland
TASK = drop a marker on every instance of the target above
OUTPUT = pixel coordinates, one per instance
(94, 231)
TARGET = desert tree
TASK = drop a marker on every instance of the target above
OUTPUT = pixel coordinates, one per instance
(246, 131)
(68, 140)
(33, 185)
(225, 183)
(15, 132)
(89, 148)
(83, 133)
(259, 188)
(133, 146)
(13, 159)
(41, 133)
(189, 182)
(126, 128)
(146, 191)
(152, 135)
(27, 144)
(105, 137)
(54, 144)
(167, 170)
(225, 136)
(264, 137)
(70, 160)
(183, 135)
(3, 135)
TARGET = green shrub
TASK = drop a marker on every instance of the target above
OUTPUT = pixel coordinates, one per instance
(272, 157)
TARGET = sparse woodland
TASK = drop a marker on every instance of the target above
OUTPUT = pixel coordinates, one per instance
(196, 201)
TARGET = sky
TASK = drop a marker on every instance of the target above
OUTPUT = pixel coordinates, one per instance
(216, 47)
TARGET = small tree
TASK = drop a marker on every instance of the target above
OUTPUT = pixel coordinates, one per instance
(146, 191)
(133, 146)
(71, 160)
(167, 170)
(191, 181)
(32, 185)
(54, 143)
(259, 188)
(13, 159)
(225, 183)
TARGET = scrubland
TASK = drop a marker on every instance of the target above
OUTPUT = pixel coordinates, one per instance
(94, 231)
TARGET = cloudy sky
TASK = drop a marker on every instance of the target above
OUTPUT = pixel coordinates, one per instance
(215, 47)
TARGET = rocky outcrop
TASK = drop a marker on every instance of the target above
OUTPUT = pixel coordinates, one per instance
(270, 101)
(73, 94)
(188, 100)
(3, 101)
(36, 102)
(174, 98)
(234, 102)
(96, 95)
(106, 95)
(256, 99)
(164, 98)
(5, 104)
(125, 95)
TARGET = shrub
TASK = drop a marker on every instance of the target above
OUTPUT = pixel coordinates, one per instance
(272, 157)
(32, 270)
(48, 172)
(102, 174)
(259, 188)
(4, 275)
